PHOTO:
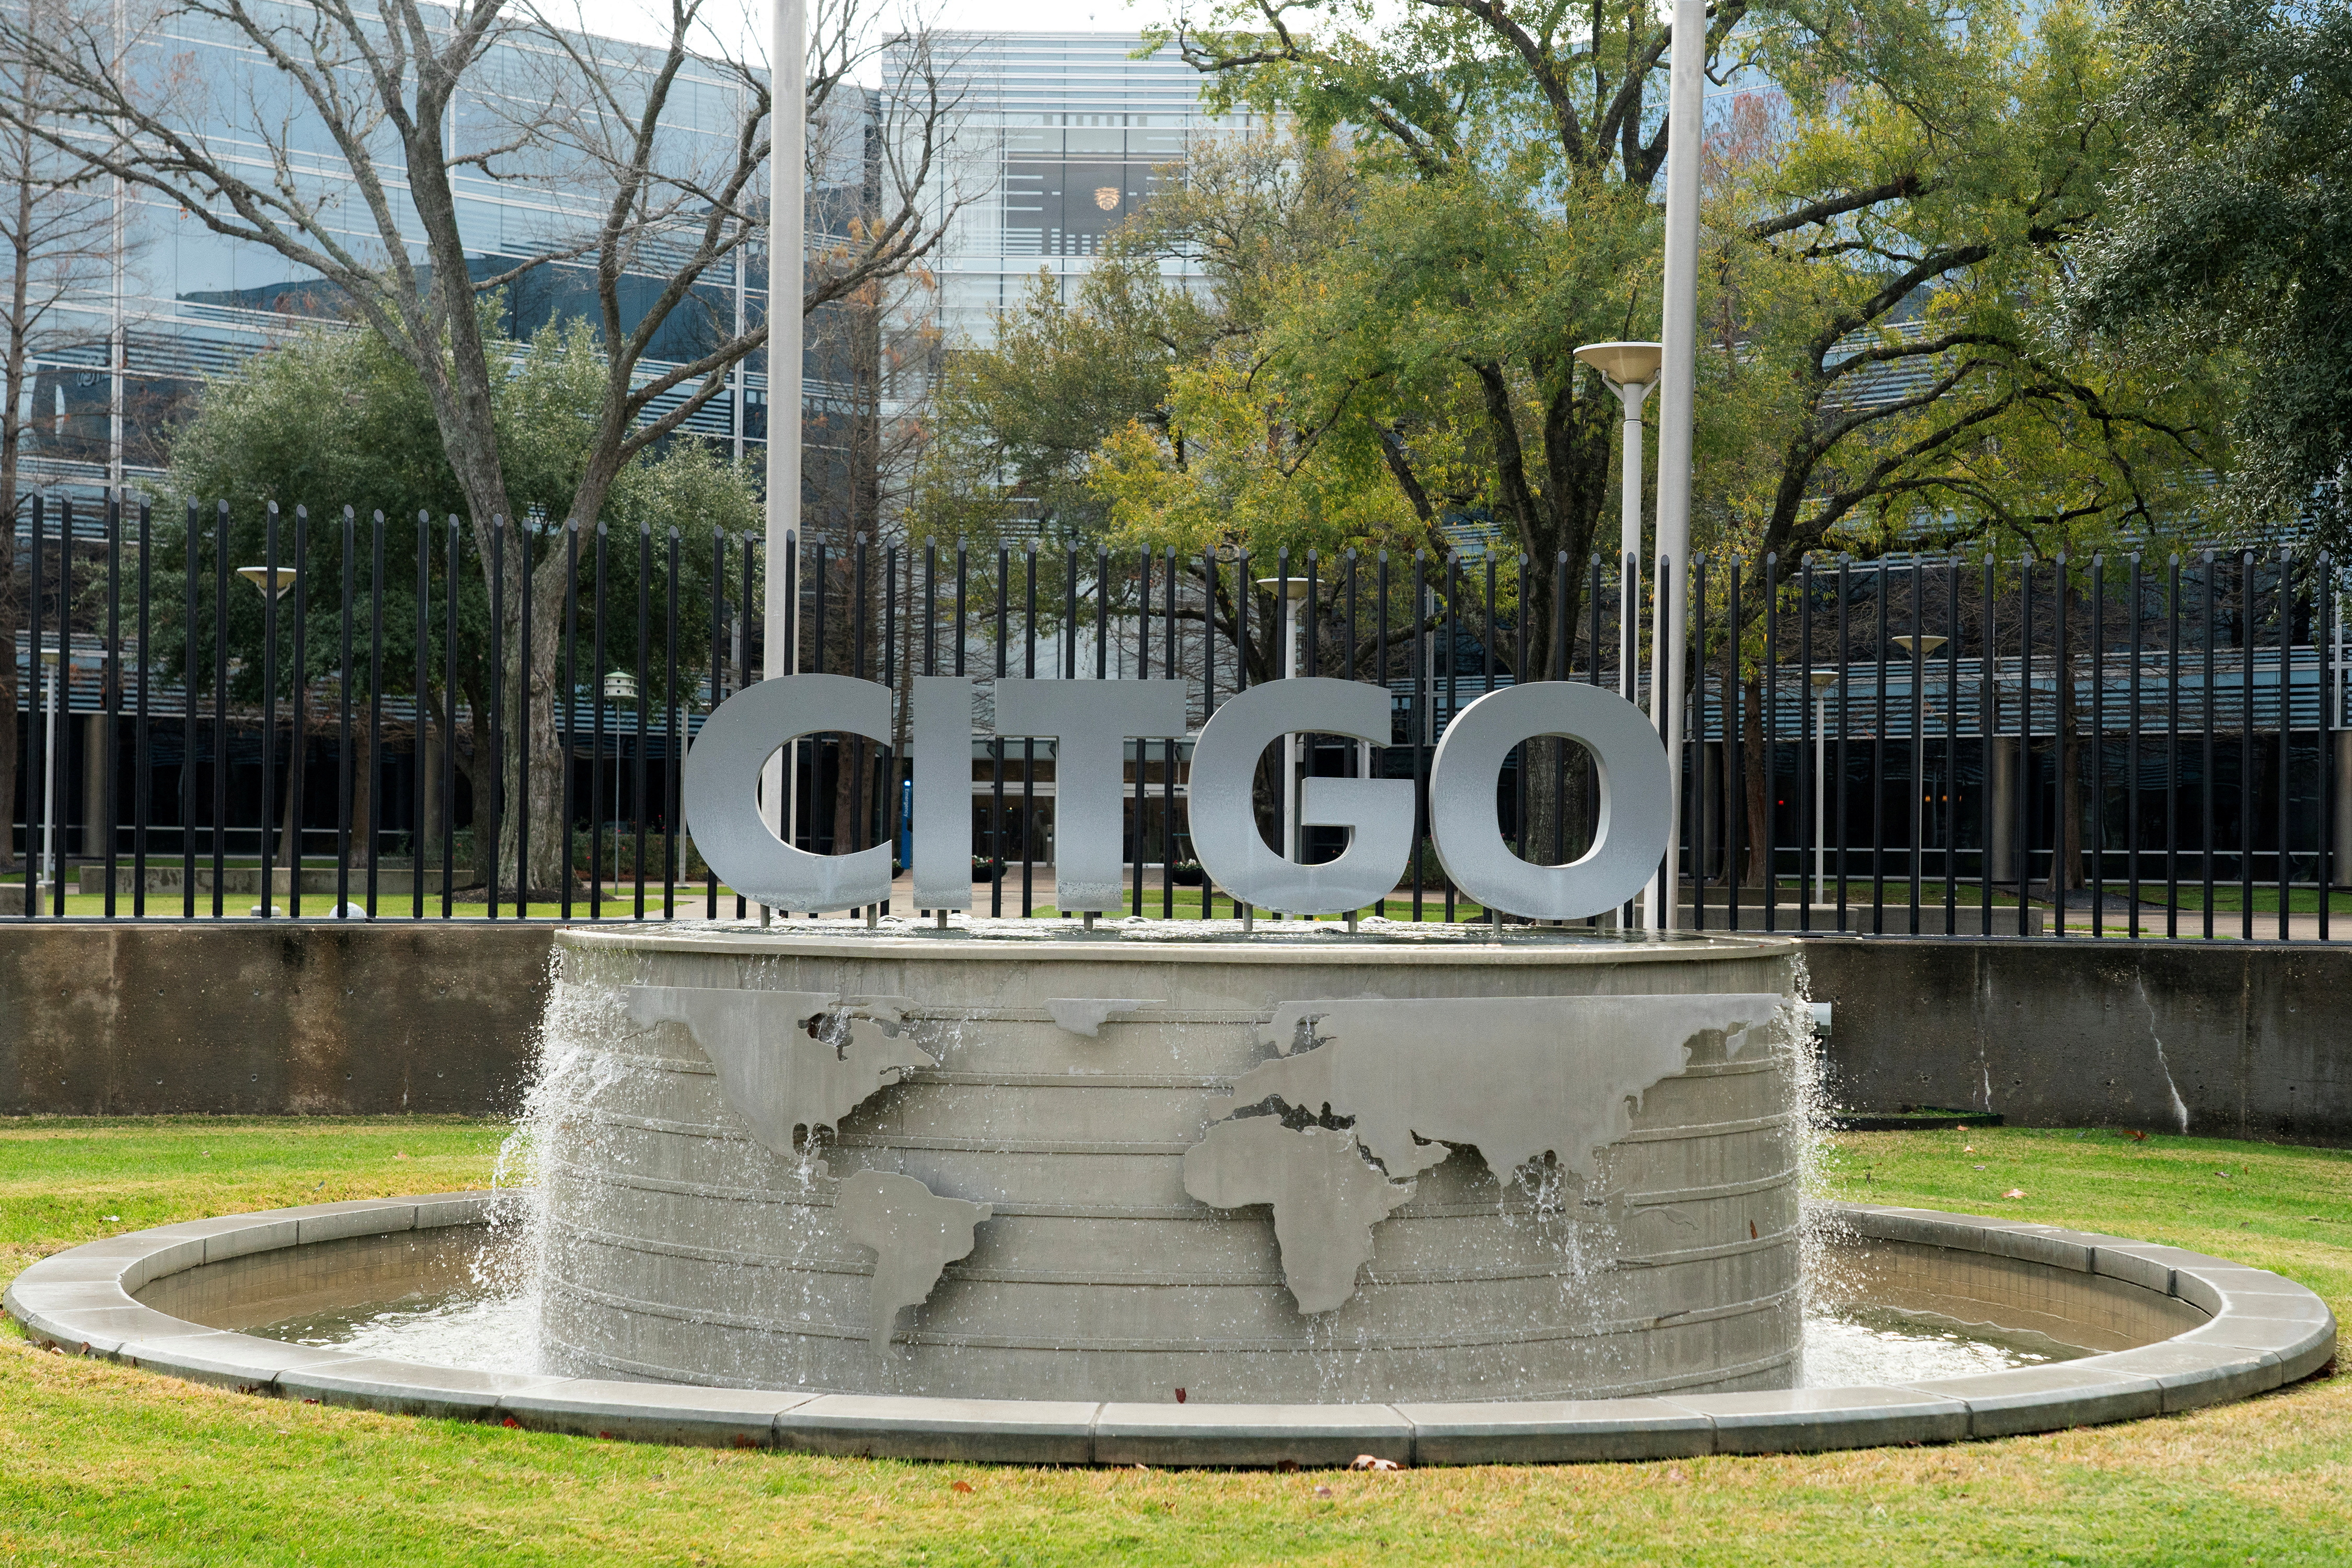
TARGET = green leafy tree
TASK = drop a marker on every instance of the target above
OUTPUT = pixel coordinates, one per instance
(336, 419)
(1892, 232)
(1145, 410)
(2230, 235)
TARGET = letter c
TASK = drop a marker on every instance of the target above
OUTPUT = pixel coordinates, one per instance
(1629, 833)
(720, 782)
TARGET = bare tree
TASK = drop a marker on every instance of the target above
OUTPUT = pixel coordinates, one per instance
(654, 225)
(688, 221)
(58, 227)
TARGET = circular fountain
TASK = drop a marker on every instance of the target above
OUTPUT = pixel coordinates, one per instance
(1025, 1160)
(1168, 1193)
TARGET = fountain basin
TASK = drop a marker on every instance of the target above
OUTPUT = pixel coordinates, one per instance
(1018, 1161)
(2186, 1331)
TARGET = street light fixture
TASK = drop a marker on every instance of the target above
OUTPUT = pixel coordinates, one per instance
(278, 585)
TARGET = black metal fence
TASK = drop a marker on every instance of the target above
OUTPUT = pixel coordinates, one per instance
(424, 719)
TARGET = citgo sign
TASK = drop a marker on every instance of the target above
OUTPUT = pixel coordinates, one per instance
(1093, 719)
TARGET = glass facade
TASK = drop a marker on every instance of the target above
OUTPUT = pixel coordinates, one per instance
(1063, 136)
(1059, 137)
(183, 302)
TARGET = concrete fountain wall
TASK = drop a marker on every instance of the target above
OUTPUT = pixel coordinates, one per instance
(1118, 1166)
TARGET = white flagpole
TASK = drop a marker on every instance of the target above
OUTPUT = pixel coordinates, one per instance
(788, 66)
(1686, 114)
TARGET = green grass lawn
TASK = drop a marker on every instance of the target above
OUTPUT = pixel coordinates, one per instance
(2231, 897)
(692, 901)
(103, 1464)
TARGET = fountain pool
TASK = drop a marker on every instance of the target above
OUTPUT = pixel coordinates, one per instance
(1136, 1196)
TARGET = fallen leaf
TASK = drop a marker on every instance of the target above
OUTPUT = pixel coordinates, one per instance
(2134, 1134)
(1322, 1492)
(1372, 1462)
(2014, 1193)
(1677, 1475)
(1180, 1396)
(510, 1421)
(1968, 1149)
(399, 1156)
(959, 1486)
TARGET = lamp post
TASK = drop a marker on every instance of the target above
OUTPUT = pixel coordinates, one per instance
(1630, 370)
(48, 878)
(1822, 680)
(620, 687)
(273, 583)
(1919, 647)
(1297, 590)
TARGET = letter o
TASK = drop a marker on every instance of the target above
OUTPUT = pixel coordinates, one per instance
(1630, 831)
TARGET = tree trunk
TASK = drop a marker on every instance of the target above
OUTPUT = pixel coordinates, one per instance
(363, 799)
(1546, 762)
(848, 752)
(536, 726)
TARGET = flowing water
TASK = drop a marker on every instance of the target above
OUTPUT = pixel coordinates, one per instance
(495, 1324)
(490, 1329)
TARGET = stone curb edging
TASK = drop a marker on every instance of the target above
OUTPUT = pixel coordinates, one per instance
(2261, 1331)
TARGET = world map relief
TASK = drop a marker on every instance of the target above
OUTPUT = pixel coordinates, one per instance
(1359, 1096)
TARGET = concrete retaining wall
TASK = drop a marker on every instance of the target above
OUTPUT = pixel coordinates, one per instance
(2256, 1040)
(250, 1017)
(2223, 1039)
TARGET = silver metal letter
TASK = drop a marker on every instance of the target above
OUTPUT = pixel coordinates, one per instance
(1092, 720)
(942, 758)
(720, 782)
(1629, 830)
(1378, 812)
